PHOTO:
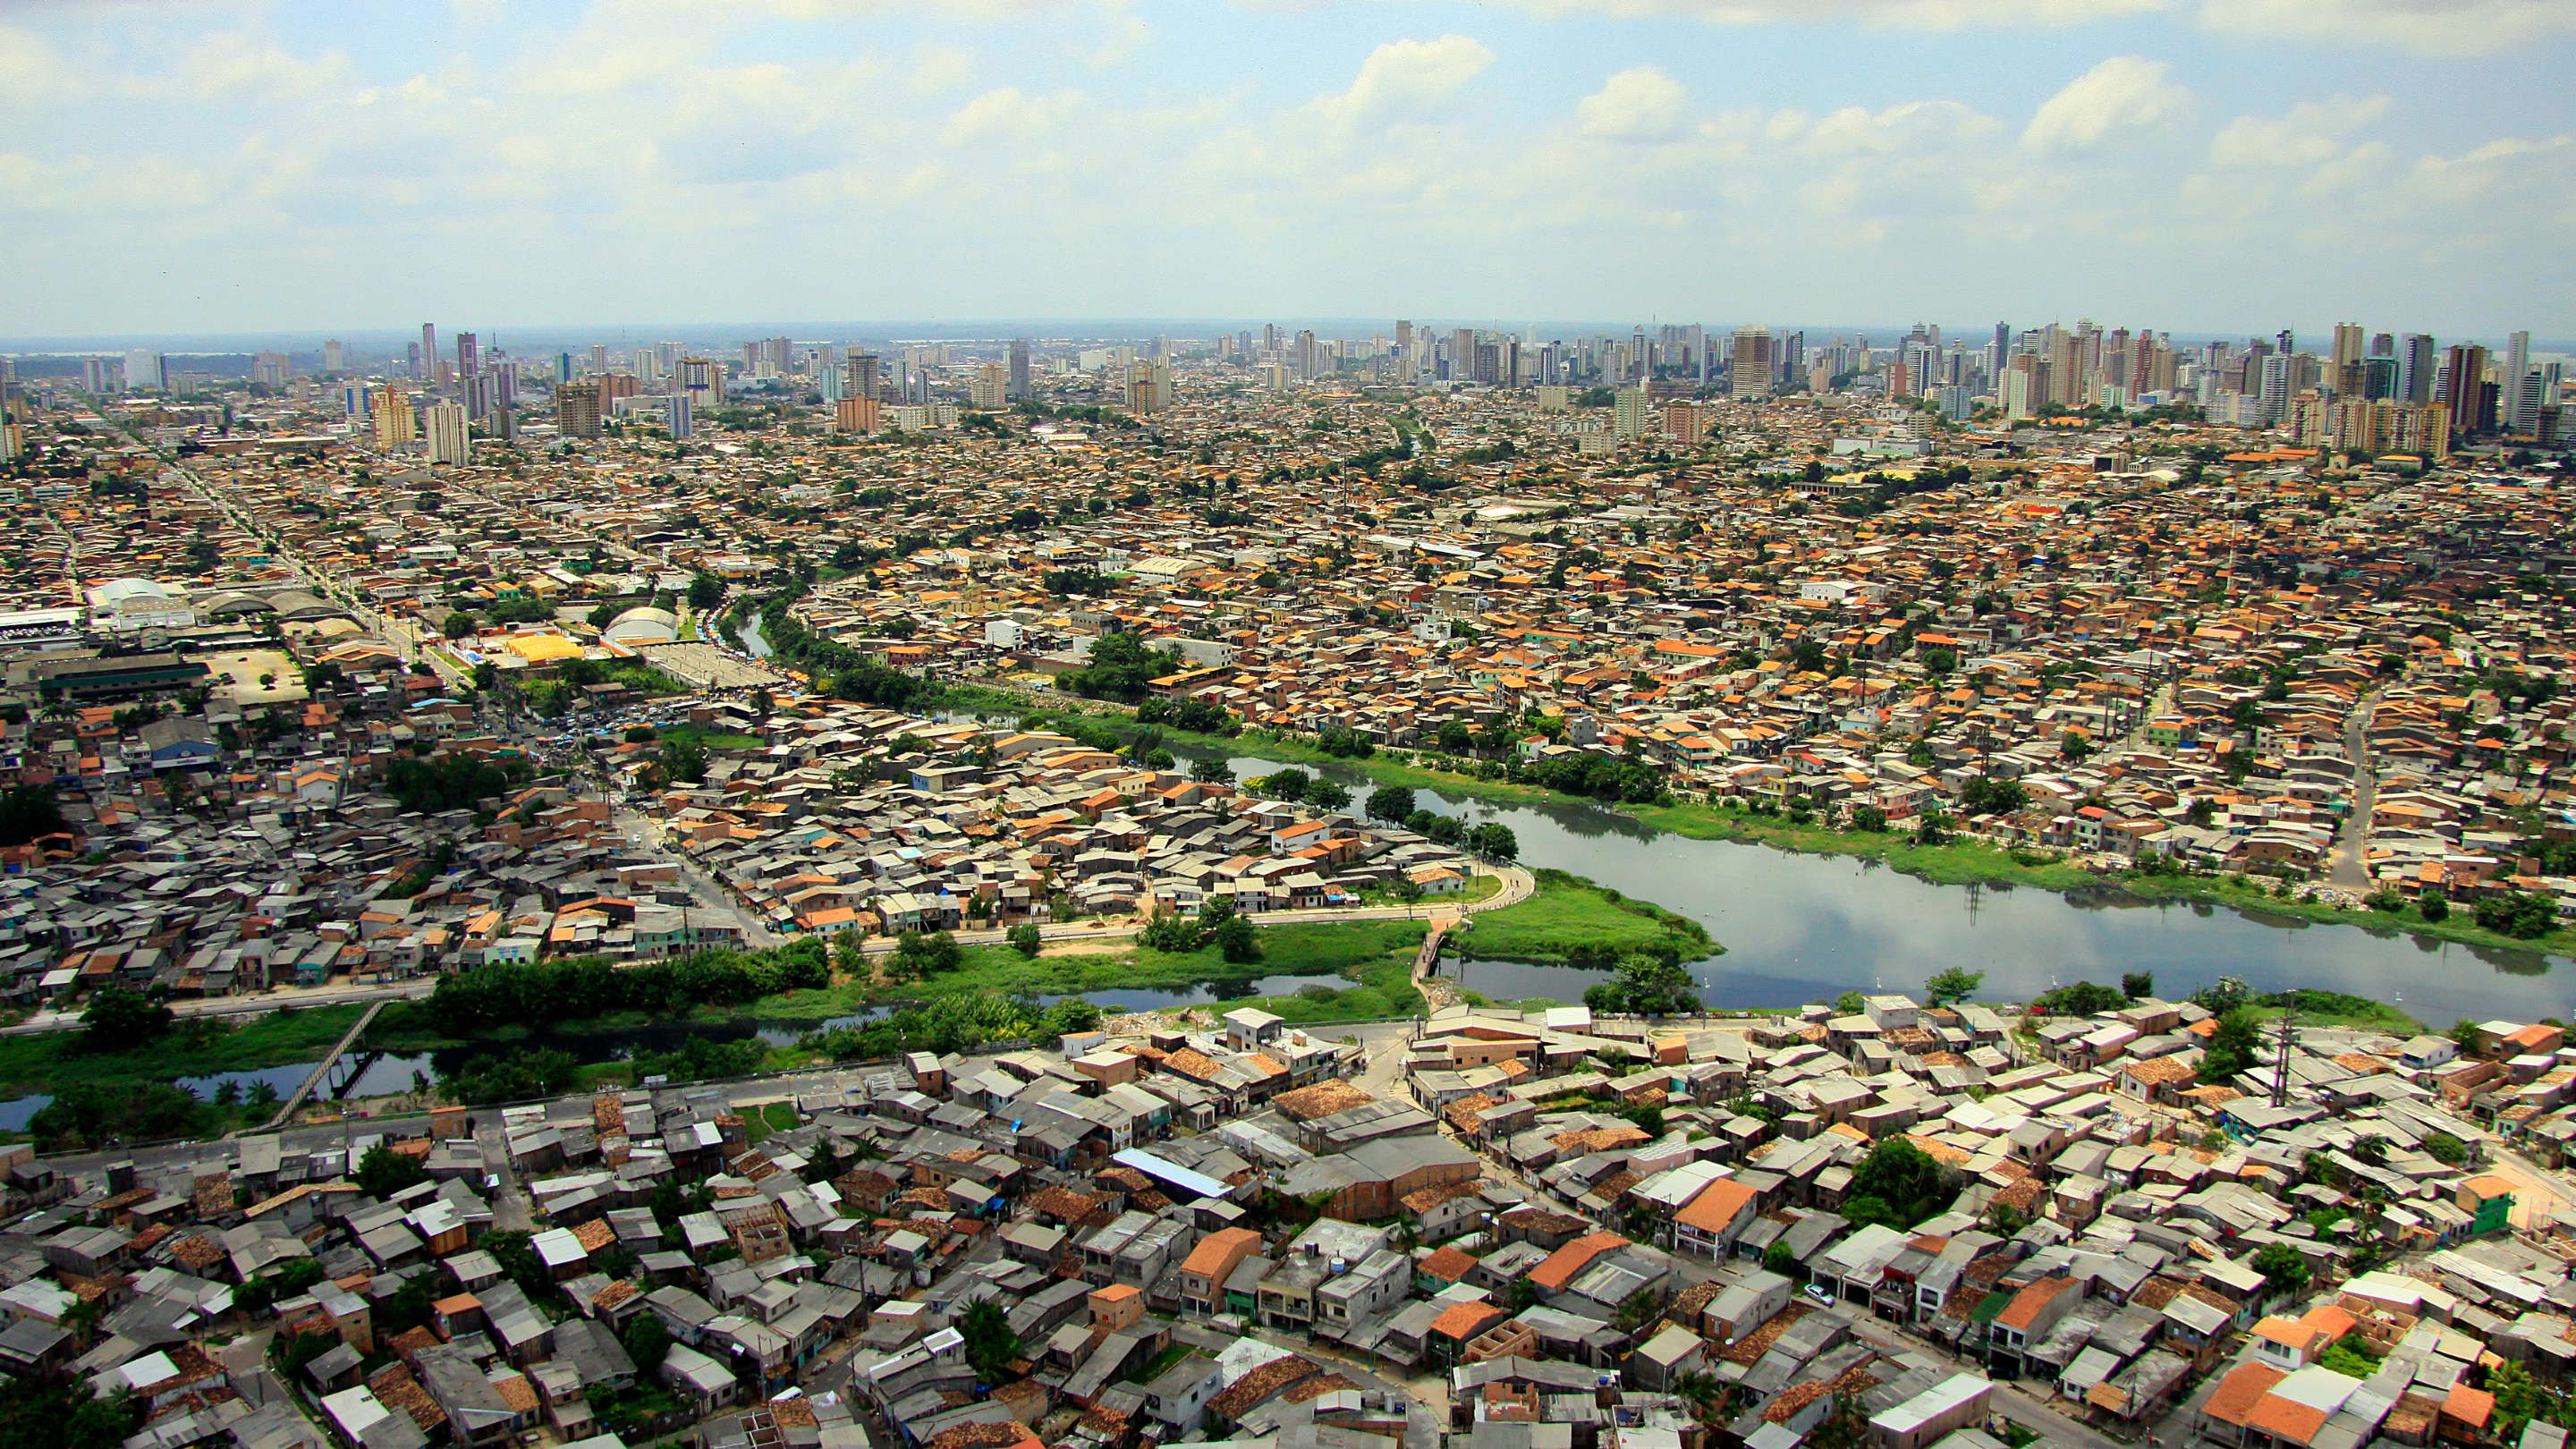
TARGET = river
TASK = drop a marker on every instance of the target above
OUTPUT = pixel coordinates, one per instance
(1802, 928)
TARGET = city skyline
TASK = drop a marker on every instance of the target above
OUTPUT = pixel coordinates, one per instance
(2209, 171)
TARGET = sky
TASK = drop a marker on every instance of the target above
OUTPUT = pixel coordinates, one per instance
(2200, 166)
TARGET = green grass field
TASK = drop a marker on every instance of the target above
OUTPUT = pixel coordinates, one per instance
(1570, 919)
(708, 739)
(44, 1061)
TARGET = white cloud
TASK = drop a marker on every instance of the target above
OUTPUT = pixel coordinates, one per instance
(2123, 93)
(1638, 104)
(1127, 35)
(2310, 135)
(232, 66)
(1403, 77)
(1004, 114)
(1891, 14)
(2428, 27)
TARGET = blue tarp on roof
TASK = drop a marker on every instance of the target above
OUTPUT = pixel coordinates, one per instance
(1163, 1170)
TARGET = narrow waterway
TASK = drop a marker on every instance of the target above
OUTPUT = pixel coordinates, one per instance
(1801, 928)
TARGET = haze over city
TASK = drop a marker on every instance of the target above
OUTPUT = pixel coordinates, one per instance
(1295, 724)
(2222, 168)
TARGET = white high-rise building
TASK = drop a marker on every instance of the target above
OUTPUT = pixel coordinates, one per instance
(1628, 413)
(144, 370)
(2509, 401)
(450, 441)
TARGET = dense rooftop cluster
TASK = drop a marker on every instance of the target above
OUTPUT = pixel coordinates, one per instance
(1536, 1228)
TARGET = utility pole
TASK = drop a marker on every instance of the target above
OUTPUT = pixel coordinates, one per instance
(2288, 1024)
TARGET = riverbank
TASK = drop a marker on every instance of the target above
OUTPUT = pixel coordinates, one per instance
(2460, 926)
(202, 1046)
(1958, 862)
(1344, 971)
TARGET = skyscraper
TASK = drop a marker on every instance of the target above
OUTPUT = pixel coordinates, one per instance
(1019, 384)
(394, 423)
(2517, 363)
(335, 357)
(577, 409)
(2347, 376)
(1751, 375)
(1628, 413)
(449, 434)
(429, 357)
(990, 386)
(599, 356)
(2415, 369)
(2463, 387)
(1149, 384)
(469, 358)
(859, 379)
(143, 370)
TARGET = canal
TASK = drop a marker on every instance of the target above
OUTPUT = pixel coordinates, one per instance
(1802, 928)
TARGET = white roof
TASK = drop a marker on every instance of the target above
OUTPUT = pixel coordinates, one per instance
(556, 1247)
(148, 1370)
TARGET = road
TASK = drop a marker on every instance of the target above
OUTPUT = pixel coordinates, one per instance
(2350, 860)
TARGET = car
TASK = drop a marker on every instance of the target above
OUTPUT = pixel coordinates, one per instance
(1824, 1296)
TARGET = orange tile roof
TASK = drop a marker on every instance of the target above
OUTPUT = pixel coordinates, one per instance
(2237, 1394)
(1565, 1262)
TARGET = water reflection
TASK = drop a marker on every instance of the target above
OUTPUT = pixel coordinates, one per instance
(1805, 927)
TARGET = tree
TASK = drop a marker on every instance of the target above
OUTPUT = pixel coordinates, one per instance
(2235, 1046)
(2464, 1035)
(2283, 1268)
(990, 1343)
(1231, 930)
(2446, 1149)
(1024, 939)
(1068, 1017)
(1646, 986)
(1780, 1258)
(646, 1341)
(1328, 796)
(1868, 817)
(2224, 996)
(2081, 999)
(384, 1172)
(121, 1019)
(705, 591)
(456, 625)
(2138, 985)
(28, 812)
(1212, 771)
(1955, 984)
(1898, 1184)
(2523, 915)
(603, 616)
(1390, 803)
(1494, 841)
(65, 1416)
(1285, 785)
